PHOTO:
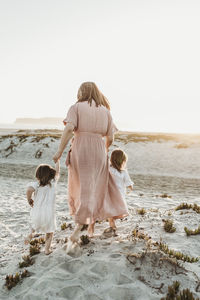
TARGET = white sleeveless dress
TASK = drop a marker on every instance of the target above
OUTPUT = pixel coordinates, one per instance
(43, 217)
(122, 180)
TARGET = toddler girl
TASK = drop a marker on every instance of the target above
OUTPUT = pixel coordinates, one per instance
(122, 179)
(42, 214)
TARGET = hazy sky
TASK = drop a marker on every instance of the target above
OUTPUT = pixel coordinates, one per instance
(143, 54)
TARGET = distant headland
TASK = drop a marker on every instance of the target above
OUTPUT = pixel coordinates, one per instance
(47, 121)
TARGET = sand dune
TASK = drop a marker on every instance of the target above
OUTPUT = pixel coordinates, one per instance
(168, 155)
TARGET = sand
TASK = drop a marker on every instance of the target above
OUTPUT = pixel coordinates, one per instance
(106, 268)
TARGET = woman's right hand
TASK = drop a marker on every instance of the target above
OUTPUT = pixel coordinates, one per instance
(57, 156)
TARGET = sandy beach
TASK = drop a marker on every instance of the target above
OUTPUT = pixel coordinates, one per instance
(166, 171)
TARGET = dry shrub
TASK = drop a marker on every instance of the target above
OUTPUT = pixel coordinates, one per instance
(174, 294)
(84, 239)
(141, 211)
(27, 261)
(33, 250)
(168, 226)
(13, 280)
(192, 232)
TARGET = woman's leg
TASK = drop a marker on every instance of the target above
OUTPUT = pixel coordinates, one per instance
(48, 241)
(75, 235)
(112, 223)
(72, 242)
(91, 230)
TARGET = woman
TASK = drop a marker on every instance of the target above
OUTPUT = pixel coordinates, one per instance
(92, 192)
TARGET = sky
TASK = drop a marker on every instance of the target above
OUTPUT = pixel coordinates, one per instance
(144, 55)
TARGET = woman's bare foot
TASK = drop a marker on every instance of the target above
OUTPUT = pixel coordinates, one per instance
(73, 240)
(75, 235)
(71, 246)
(109, 232)
(47, 252)
(91, 230)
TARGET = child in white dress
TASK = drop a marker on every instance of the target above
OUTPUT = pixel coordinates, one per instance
(42, 214)
(122, 179)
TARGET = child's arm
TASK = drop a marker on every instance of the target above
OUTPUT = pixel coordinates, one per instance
(29, 192)
(127, 180)
(57, 167)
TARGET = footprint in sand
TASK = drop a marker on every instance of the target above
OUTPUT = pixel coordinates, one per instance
(119, 293)
(30, 296)
(72, 266)
(123, 279)
(46, 262)
(115, 255)
(92, 297)
(71, 292)
(100, 268)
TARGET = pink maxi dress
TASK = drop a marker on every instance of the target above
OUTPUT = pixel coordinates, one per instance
(92, 192)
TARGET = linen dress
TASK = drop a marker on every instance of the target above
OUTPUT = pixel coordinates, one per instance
(92, 191)
(43, 218)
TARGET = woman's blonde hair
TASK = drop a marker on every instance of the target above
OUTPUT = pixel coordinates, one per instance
(88, 91)
(118, 157)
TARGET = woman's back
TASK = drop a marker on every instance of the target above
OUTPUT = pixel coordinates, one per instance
(91, 119)
(92, 192)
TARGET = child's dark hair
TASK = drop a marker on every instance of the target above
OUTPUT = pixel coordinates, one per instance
(118, 157)
(45, 173)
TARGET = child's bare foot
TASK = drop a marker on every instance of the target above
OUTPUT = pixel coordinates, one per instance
(91, 230)
(48, 240)
(28, 239)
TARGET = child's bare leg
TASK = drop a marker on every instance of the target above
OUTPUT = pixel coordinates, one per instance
(112, 223)
(29, 237)
(48, 241)
(91, 230)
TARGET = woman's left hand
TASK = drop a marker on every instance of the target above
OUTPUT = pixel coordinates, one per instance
(57, 156)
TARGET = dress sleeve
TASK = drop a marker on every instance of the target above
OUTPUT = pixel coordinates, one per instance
(111, 126)
(33, 185)
(127, 179)
(72, 116)
(55, 181)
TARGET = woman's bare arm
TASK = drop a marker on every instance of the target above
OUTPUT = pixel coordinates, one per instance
(109, 141)
(66, 136)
